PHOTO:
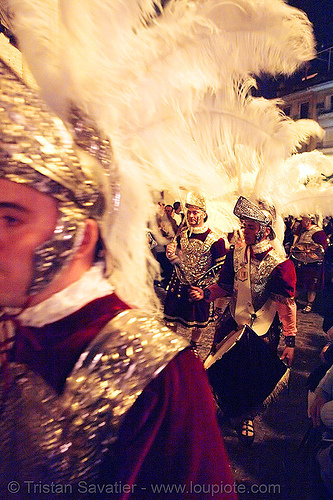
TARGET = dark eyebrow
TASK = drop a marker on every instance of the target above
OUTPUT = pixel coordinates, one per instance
(14, 206)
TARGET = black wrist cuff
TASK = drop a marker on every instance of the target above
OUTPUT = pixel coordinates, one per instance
(206, 293)
(290, 341)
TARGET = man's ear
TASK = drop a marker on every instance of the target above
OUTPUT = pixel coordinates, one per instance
(89, 240)
(268, 231)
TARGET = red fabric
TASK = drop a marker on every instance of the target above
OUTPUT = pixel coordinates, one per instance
(53, 350)
(288, 316)
(282, 280)
(320, 237)
(170, 436)
(171, 432)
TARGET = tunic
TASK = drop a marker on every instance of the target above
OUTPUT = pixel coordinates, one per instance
(198, 253)
(277, 283)
(168, 436)
(310, 277)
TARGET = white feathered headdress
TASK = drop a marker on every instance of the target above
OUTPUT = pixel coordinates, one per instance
(169, 86)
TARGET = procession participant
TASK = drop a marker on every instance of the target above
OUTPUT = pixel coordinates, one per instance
(178, 215)
(308, 254)
(261, 283)
(193, 253)
(123, 63)
(93, 393)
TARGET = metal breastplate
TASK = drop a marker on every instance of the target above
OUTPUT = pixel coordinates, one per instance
(306, 237)
(45, 437)
(196, 257)
(306, 250)
(260, 272)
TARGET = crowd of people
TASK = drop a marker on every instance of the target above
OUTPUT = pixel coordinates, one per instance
(265, 283)
(307, 250)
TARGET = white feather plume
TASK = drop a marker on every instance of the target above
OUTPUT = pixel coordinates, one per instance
(171, 92)
(308, 186)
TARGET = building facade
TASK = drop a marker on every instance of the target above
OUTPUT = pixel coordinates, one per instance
(312, 97)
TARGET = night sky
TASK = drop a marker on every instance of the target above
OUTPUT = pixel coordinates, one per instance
(320, 13)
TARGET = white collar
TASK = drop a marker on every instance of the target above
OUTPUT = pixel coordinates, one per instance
(92, 285)
(261, 247)
(198, 230)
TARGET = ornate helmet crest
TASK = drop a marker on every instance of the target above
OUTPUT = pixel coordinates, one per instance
(246, 209)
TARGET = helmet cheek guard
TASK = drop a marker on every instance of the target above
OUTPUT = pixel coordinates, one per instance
(245, 209)
(53, 256)
(261, 233)
(37, 150)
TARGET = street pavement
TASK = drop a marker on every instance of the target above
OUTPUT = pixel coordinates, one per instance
(275, 468)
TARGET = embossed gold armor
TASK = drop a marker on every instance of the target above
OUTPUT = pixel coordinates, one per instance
(196, 258)
(260, 272)
(66, 437)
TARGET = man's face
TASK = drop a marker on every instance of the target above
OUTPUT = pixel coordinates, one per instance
(306, 222)
(169, 212)
(27, 219)
(195, 216)
(250, 231)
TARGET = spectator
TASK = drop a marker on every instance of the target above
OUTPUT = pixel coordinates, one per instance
(166, 232)
(321, 413)
(288, 239)
(170, 216)
(178, 215)
(328, 227)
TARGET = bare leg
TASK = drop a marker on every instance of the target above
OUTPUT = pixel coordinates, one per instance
(196, 334)
(308, 308)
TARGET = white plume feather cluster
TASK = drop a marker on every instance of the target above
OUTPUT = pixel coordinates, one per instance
(172, 93)
(309, 185)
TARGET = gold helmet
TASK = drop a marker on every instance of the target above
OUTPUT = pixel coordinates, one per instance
(37, 150)
(246, 209)
(195, 200)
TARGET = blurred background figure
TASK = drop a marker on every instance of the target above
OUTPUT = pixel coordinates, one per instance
(308, 252)
(163, 233)
(288, 239)
(193, 253)
(178, 214)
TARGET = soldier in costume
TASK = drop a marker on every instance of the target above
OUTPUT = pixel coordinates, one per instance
(96, 397)
(119, 407)
(308, 255)
(195, 251)
(261, 283)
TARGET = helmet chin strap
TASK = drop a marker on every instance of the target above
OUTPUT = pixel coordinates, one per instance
(260, 234)
(54, 255)
(54, 270)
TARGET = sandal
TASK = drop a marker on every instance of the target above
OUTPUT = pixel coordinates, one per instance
(194, 347)
(308, 308)
(246, 433)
